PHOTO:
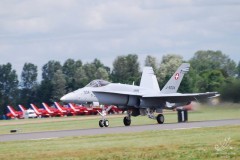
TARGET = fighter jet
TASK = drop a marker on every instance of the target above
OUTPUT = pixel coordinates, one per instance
(145, 99)
(13, 113)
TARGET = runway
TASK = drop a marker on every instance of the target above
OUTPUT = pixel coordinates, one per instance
(114, 130)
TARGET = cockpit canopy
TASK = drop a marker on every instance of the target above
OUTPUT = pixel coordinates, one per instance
(98, 83)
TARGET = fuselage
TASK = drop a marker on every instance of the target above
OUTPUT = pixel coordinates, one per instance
(89, 93)
(124, 95)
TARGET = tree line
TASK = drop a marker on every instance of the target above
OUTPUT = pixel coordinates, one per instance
(210, 71)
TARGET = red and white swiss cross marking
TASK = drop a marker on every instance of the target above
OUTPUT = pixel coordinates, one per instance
(176, 76)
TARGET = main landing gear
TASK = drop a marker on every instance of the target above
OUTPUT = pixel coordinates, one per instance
(150, 114)
(127, 119)
(160, 119)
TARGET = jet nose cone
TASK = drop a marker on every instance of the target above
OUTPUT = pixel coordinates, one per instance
(63, 98)
(68, 97)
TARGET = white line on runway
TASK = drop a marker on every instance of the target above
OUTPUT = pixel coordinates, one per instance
(38, 139)
(187, 128)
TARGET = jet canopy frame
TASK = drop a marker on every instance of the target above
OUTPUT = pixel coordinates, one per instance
(98, 83)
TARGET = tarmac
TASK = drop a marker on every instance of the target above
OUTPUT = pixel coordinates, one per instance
(115, 130)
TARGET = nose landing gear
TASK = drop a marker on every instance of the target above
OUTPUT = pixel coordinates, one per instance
(103, 123)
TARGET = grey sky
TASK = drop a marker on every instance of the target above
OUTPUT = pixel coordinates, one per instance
(37, 31)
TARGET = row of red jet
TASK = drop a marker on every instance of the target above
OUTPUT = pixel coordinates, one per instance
(57, 111)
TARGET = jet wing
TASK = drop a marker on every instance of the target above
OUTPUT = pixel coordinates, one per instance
(122, 97)
(178, 97)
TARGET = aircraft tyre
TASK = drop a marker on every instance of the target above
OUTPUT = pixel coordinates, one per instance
(126, 121)
(106, 123)
(160, 119)
(101, 123)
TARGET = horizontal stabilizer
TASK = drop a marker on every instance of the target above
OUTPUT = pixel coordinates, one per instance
(179, 97)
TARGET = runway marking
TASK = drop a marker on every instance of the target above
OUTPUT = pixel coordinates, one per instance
(198, 127)
(38, 139)
(186, 128)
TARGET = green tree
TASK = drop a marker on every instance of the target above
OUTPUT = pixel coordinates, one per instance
(126, 69)
(97, 63)
(210, 80)
(45, 90)
(152, 62)
(230, 90)
(29, 76)
(91, 69)
(207, 66)
(8, 86)
(80, 78)
(238, 70)
(213, 60)
(49, 69)
(70, 66)
(59, 85)
(28, 84)
(101, 73)
(69, 69)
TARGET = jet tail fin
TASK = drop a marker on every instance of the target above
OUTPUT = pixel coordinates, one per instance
(174, 83)
(35, 109)
(59, 107)
(47, 108)
(149, 80)
(23, 109)
(12, 110)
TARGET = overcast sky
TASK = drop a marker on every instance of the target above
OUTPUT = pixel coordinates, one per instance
(37, 31)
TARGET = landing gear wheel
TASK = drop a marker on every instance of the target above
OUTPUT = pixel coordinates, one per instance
(126, 121)
(106, 123)
(101, 123)
(160, 119)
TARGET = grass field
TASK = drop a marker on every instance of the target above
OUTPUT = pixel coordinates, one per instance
(203, 143)
(170, 144)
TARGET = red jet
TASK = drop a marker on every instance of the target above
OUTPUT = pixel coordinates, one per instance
(64, 110)
(13, 113)
(40, 112)
(52, 111)
(79, 110)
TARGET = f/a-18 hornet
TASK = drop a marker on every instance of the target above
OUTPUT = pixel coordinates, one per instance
(145, 99)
